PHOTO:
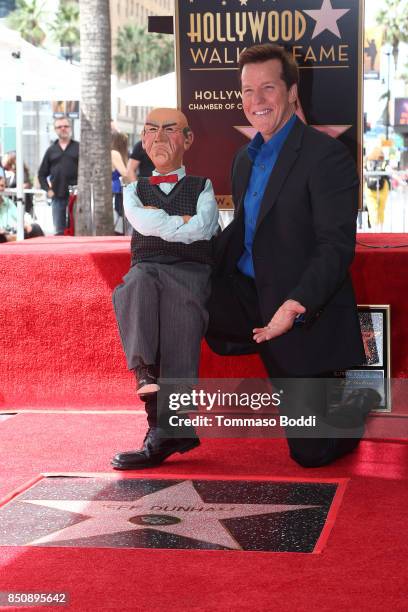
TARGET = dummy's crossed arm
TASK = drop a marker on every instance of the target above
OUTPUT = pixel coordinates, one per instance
(150, 221)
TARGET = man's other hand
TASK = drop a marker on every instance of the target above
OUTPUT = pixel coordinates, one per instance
(281, 322)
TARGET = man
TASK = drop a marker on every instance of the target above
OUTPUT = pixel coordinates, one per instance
(139, 163)
(282, 286)
(58, 170)
(160, 307)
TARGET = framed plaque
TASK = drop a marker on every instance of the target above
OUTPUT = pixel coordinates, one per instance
(376, 372)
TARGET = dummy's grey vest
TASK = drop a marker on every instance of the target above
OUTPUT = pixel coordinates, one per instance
(182, 200)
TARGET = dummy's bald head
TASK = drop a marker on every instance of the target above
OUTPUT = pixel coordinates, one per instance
(165, 137)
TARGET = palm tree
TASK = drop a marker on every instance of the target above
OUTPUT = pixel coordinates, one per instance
(65, 28)
(139, 52)
(163, 45)
(394, 17)
(28, 19)
(94, 213)
(132, 57)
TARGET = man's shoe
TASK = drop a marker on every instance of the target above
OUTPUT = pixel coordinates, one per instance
(363, 401)
(354, 411)
(146, 380)
(156, 449)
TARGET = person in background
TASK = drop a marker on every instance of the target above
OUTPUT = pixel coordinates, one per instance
(59, 170)
(11, 178)
(377, 187)
(8, 219)
(139, 163)
(119, 156)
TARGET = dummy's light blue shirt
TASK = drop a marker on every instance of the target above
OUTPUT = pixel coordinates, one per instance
(264, 156)
(148, 222)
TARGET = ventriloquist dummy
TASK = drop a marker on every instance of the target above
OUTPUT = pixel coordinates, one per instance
(161, 305)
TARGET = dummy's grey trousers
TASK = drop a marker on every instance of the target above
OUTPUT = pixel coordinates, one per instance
(161, 313)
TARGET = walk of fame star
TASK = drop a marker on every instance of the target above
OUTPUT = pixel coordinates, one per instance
(326, 18)
(180, 507)
(332, 130)
(155, 513)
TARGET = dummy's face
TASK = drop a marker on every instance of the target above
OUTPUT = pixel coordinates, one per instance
(267, 102)
(164, 140)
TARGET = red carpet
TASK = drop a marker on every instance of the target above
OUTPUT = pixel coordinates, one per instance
(61, 350)
(361, 568)
(59, 342)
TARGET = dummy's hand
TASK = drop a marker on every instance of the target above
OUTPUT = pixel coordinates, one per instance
(151, 207)
(281, 322)
(186, 218)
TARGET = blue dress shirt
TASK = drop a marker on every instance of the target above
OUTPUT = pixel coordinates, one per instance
(263, 156)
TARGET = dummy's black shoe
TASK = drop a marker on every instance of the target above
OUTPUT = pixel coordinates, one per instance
(156, 449)
(146, 380)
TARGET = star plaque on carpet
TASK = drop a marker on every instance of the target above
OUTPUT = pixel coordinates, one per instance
(202, 514)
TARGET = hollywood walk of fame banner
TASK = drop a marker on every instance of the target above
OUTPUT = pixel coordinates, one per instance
(325, 37)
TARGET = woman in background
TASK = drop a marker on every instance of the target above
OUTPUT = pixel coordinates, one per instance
(9, 164)
(119, 156)
(8, 219)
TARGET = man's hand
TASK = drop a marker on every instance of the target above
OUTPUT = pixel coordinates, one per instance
(151, 207)
(281, 322)
(50, 193)
(186, 218)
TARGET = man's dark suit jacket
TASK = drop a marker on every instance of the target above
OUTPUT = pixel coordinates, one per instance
(303, 246)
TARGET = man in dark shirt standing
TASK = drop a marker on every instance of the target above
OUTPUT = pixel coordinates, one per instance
(139, 163)
(58, 170)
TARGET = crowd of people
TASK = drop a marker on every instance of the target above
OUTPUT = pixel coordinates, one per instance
(8, 208)
(58, 174)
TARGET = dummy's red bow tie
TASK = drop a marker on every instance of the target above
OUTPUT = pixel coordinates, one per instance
(168, 178)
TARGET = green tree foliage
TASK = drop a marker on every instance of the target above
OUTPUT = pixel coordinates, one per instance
(28, 20)
(394, 17)
(140, 52)
(65, 28)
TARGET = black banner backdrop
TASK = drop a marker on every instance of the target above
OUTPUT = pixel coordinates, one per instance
(325, 37)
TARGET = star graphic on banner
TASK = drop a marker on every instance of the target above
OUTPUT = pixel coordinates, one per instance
(243, 2)
(326, 18)
(332, 130)
(177, 509)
